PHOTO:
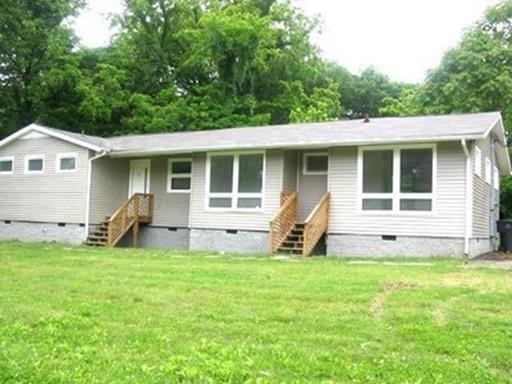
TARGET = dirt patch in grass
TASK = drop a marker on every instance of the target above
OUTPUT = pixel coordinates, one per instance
(378, 303)
(501, 264)
(495, 256)
(441, 312)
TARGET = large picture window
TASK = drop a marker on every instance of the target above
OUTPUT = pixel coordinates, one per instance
(235, 181)
(397, 179)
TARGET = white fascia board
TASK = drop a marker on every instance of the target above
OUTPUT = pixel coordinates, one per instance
(37, 128)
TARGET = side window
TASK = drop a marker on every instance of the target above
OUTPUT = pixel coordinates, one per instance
(34, 164)
(496, 178)
(6, 165)
(316, 163)
(179, 177)
(66, 162)
(487, 170)
(478, 162)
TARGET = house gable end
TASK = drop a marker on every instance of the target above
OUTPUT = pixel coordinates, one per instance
(34, 131)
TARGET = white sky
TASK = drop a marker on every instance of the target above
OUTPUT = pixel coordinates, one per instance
(401, 38)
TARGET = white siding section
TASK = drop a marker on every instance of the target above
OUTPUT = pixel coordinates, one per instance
(447, 221)
(258, 221)
(311, 189)
(481, 192)
(290, 171)
(171, 209)
(109, 187)
(47, 196)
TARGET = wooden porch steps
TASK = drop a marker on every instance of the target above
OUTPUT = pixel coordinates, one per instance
(291, 237)
(294, 241)
(99, 237)
(136, 211)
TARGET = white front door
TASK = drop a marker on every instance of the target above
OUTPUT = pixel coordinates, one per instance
(139, 176)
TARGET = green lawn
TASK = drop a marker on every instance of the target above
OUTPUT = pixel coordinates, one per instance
(82, 315)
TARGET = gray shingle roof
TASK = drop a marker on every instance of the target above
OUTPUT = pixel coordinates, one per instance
(93, 140)
(349, 132)
(326, 134)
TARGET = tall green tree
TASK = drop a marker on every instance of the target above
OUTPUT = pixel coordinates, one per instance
(210, 64)
(36, 62)
(477, 74)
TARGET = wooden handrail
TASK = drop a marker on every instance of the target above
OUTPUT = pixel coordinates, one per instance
(138, 208)
(283, 221)
(316, 224)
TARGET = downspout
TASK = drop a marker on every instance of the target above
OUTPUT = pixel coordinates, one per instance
(468, 197)
(88, 195)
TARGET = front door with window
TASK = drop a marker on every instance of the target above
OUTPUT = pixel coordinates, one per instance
(139, 176)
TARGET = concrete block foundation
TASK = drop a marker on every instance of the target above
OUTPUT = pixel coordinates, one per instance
(478, 247)
(46, 232)
(386, 246)
(228, 241)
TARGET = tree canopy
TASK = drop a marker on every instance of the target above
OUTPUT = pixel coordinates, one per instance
(175, 65)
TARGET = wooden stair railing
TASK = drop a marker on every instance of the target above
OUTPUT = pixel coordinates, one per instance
(316, 224)
(137, 209)
(284, 220)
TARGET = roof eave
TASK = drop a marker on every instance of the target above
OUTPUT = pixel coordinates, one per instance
(503, 153)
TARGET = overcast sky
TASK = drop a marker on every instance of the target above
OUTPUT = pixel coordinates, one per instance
(402, 38)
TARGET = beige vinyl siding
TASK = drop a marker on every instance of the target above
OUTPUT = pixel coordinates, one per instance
(171, 209)
(110, 181)
(481, 193)
(109, 187)
(311, 189)
(446, 221)
(49, 196)
(290, 171)
(202, 218)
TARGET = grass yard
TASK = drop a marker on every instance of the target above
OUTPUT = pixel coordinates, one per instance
(82, 315)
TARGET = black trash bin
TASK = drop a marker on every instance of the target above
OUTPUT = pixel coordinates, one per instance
(505, 230)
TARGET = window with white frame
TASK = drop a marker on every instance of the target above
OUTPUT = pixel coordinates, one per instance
(478, 162)
(487, 170)
(235, 181)
(6, 165)
(34, 164)
(66, 162)
(316, 163)
(397, 179)
(179, 175)
(496, 179)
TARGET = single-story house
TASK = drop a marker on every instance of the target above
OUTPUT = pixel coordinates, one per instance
(415, 186)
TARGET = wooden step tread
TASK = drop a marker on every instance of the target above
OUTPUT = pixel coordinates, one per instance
(294, 244)
(284, 248)
(97, 238)
(93, 244)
